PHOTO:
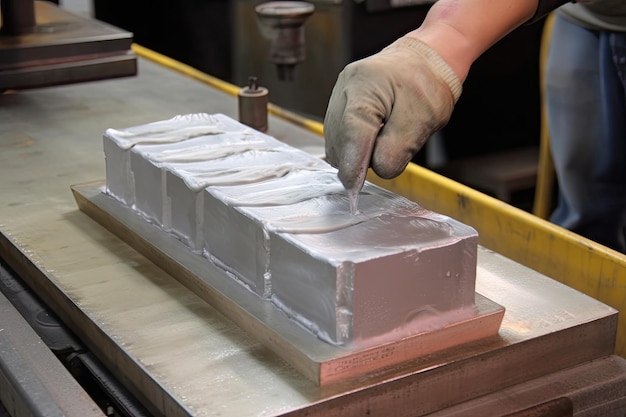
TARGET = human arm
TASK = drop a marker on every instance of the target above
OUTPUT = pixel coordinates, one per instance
(383, 108)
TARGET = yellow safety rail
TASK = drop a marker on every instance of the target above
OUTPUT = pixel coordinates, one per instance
(573, 260)
(224, 86)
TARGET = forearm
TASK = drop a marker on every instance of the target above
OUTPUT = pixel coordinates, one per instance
(461, 30)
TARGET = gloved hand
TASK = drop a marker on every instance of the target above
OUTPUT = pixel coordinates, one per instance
(384, 107)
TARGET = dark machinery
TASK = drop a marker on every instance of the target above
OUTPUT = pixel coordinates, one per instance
(43, 45)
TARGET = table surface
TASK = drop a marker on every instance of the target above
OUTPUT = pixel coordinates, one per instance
(179, 353)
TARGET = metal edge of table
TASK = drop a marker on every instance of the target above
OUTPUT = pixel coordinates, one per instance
(71, 315)
(32, 380)
(469, 366)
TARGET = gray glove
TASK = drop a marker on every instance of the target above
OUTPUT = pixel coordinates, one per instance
(384, 107)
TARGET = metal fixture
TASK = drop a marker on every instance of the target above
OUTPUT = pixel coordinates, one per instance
(43, 45)
(252, 101)
(282, 22)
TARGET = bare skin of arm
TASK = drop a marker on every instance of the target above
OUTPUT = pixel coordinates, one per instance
(461, 30)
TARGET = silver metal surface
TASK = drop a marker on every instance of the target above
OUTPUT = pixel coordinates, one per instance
(315, 359)
(181, 356)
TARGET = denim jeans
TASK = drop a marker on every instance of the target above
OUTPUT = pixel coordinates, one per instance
(586, 104)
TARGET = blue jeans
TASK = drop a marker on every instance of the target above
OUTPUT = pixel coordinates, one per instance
(586, 103)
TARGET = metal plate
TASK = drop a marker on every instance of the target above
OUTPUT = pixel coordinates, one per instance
(179, 354)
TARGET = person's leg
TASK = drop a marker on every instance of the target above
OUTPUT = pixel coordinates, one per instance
(587, 121)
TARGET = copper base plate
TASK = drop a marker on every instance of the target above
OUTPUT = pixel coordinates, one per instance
(317, 360)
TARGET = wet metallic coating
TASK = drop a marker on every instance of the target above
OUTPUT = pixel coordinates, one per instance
(279, 221)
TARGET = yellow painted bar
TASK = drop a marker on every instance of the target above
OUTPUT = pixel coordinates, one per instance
(571, 259)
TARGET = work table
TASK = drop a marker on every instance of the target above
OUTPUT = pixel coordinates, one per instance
(176, 352)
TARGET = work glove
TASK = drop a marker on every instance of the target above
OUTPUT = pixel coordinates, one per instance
(383, 109)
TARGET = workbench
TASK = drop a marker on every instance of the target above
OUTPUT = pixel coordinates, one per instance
(181, 357)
